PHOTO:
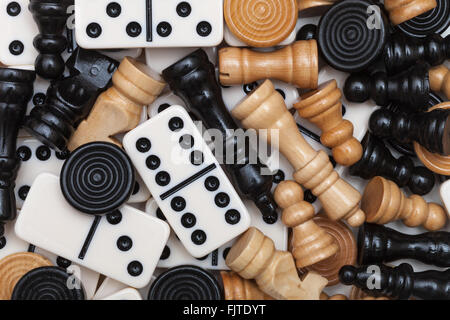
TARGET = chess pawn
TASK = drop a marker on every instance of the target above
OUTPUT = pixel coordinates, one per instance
(254, 256)
(409, 88)
(119, 108)
(310, 243)
(398, 282)
(323, 108)
(378, 244)
(50, 17)
(404, 10)
(306, 4)
(70, 98)
(297, 64)
(377, 160)
(193, 79)
(383, 202)
(238, 288)
(16, 89)
(440, 78)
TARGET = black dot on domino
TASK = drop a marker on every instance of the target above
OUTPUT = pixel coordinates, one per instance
(94, 30)
(160, 214)
(222, 200)
(163, 107)
(198, 237)
(197, 157)
(13, 9)
(152, 162)
(278, 177)
(135, 268)
(24, 153)
(166, 253)
(62, 155)
(63, 262)
(2, 242)
(113, 10)
(134, 29)
(249, 87)
(184, 9)
(43, 153)
(232, 216)
(162, 178)
(204, 29)
(178, 204)
(124, 243)
(186, 141)
(16, 47)
(176, 124)
(212, 183)
(188, 220)
(143, 145)
(39, 99)
(23, 192)
(114, 217)
(164, 29)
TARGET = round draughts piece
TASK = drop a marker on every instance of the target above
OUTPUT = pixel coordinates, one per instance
(47, 283)
(345, 40)
(97, 178)
(261, 23)
(185, 283)
(14, 266)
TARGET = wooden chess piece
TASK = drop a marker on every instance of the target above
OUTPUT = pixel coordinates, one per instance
(50, 17)
(410, 88)
(310, 243)
(440, 77)
(254, 256)
(379, 244)
(193, 79)
(384, 202)
(306, 4)
(238, 288)
(118, 109)
(261, 23)
(323, 108)
(377, 160)
(297, 64)
(70, 98)
(265, 109)
(324, 296)
(404, 10)
(351, 39)
(16, 89)
(398, 282)
(345, 255)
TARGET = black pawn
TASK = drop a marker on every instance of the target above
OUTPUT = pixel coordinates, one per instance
(16, 89)
(70, 98)
(377, 160)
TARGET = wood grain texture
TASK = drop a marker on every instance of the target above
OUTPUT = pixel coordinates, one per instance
(306, 4)
(404, 10)
(238, 288)
(440, 80)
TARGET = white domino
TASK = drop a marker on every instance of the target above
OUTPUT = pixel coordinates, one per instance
(125, 294)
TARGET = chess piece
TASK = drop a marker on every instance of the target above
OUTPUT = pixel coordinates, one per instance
(378, 244)
(265, 109)
(70, 98)
(306, 4)
(440, 77)
(185, 283)
(261, 23)
(193, 80)
(345, 255)
(404, 10)
(16, 89)
(429, 129)
(410, 88)
(50, 17)
(324, 296)
(350, 39)
(97, 178)
(14, 266)
(377, 160)
(237, 288)
(401, 51)
(297, 64)
(323, 108)
(399, 282)
(307, 32)
(119, 108)
(254, 256)
(434, 21)
(383, 202)
(310, 243)
(357, 294)
(48, 283)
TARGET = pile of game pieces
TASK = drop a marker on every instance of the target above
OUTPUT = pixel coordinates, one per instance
(224, 149)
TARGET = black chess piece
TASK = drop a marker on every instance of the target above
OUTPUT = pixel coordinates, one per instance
(50, 17)
(16, 89)
(70, 98)
(399, 282)
(193, 79)
(307, 32)
(377, 160)
(401, 51)
(345, 39)
(430, 129)
(379, 244)
(410, 88)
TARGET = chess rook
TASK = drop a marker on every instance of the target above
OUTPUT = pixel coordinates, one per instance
(70, 98)
(50, 17)
(383, 202)
(16, 89)
(440, 79)
(254, 256)
(378, 244)
(297, 64)
(404, 10)
(323, 108)
(310, 243)
(377, 160)
(119, 108)
(238, 288)
(399, 282)
(265, 109)
(193, 80)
